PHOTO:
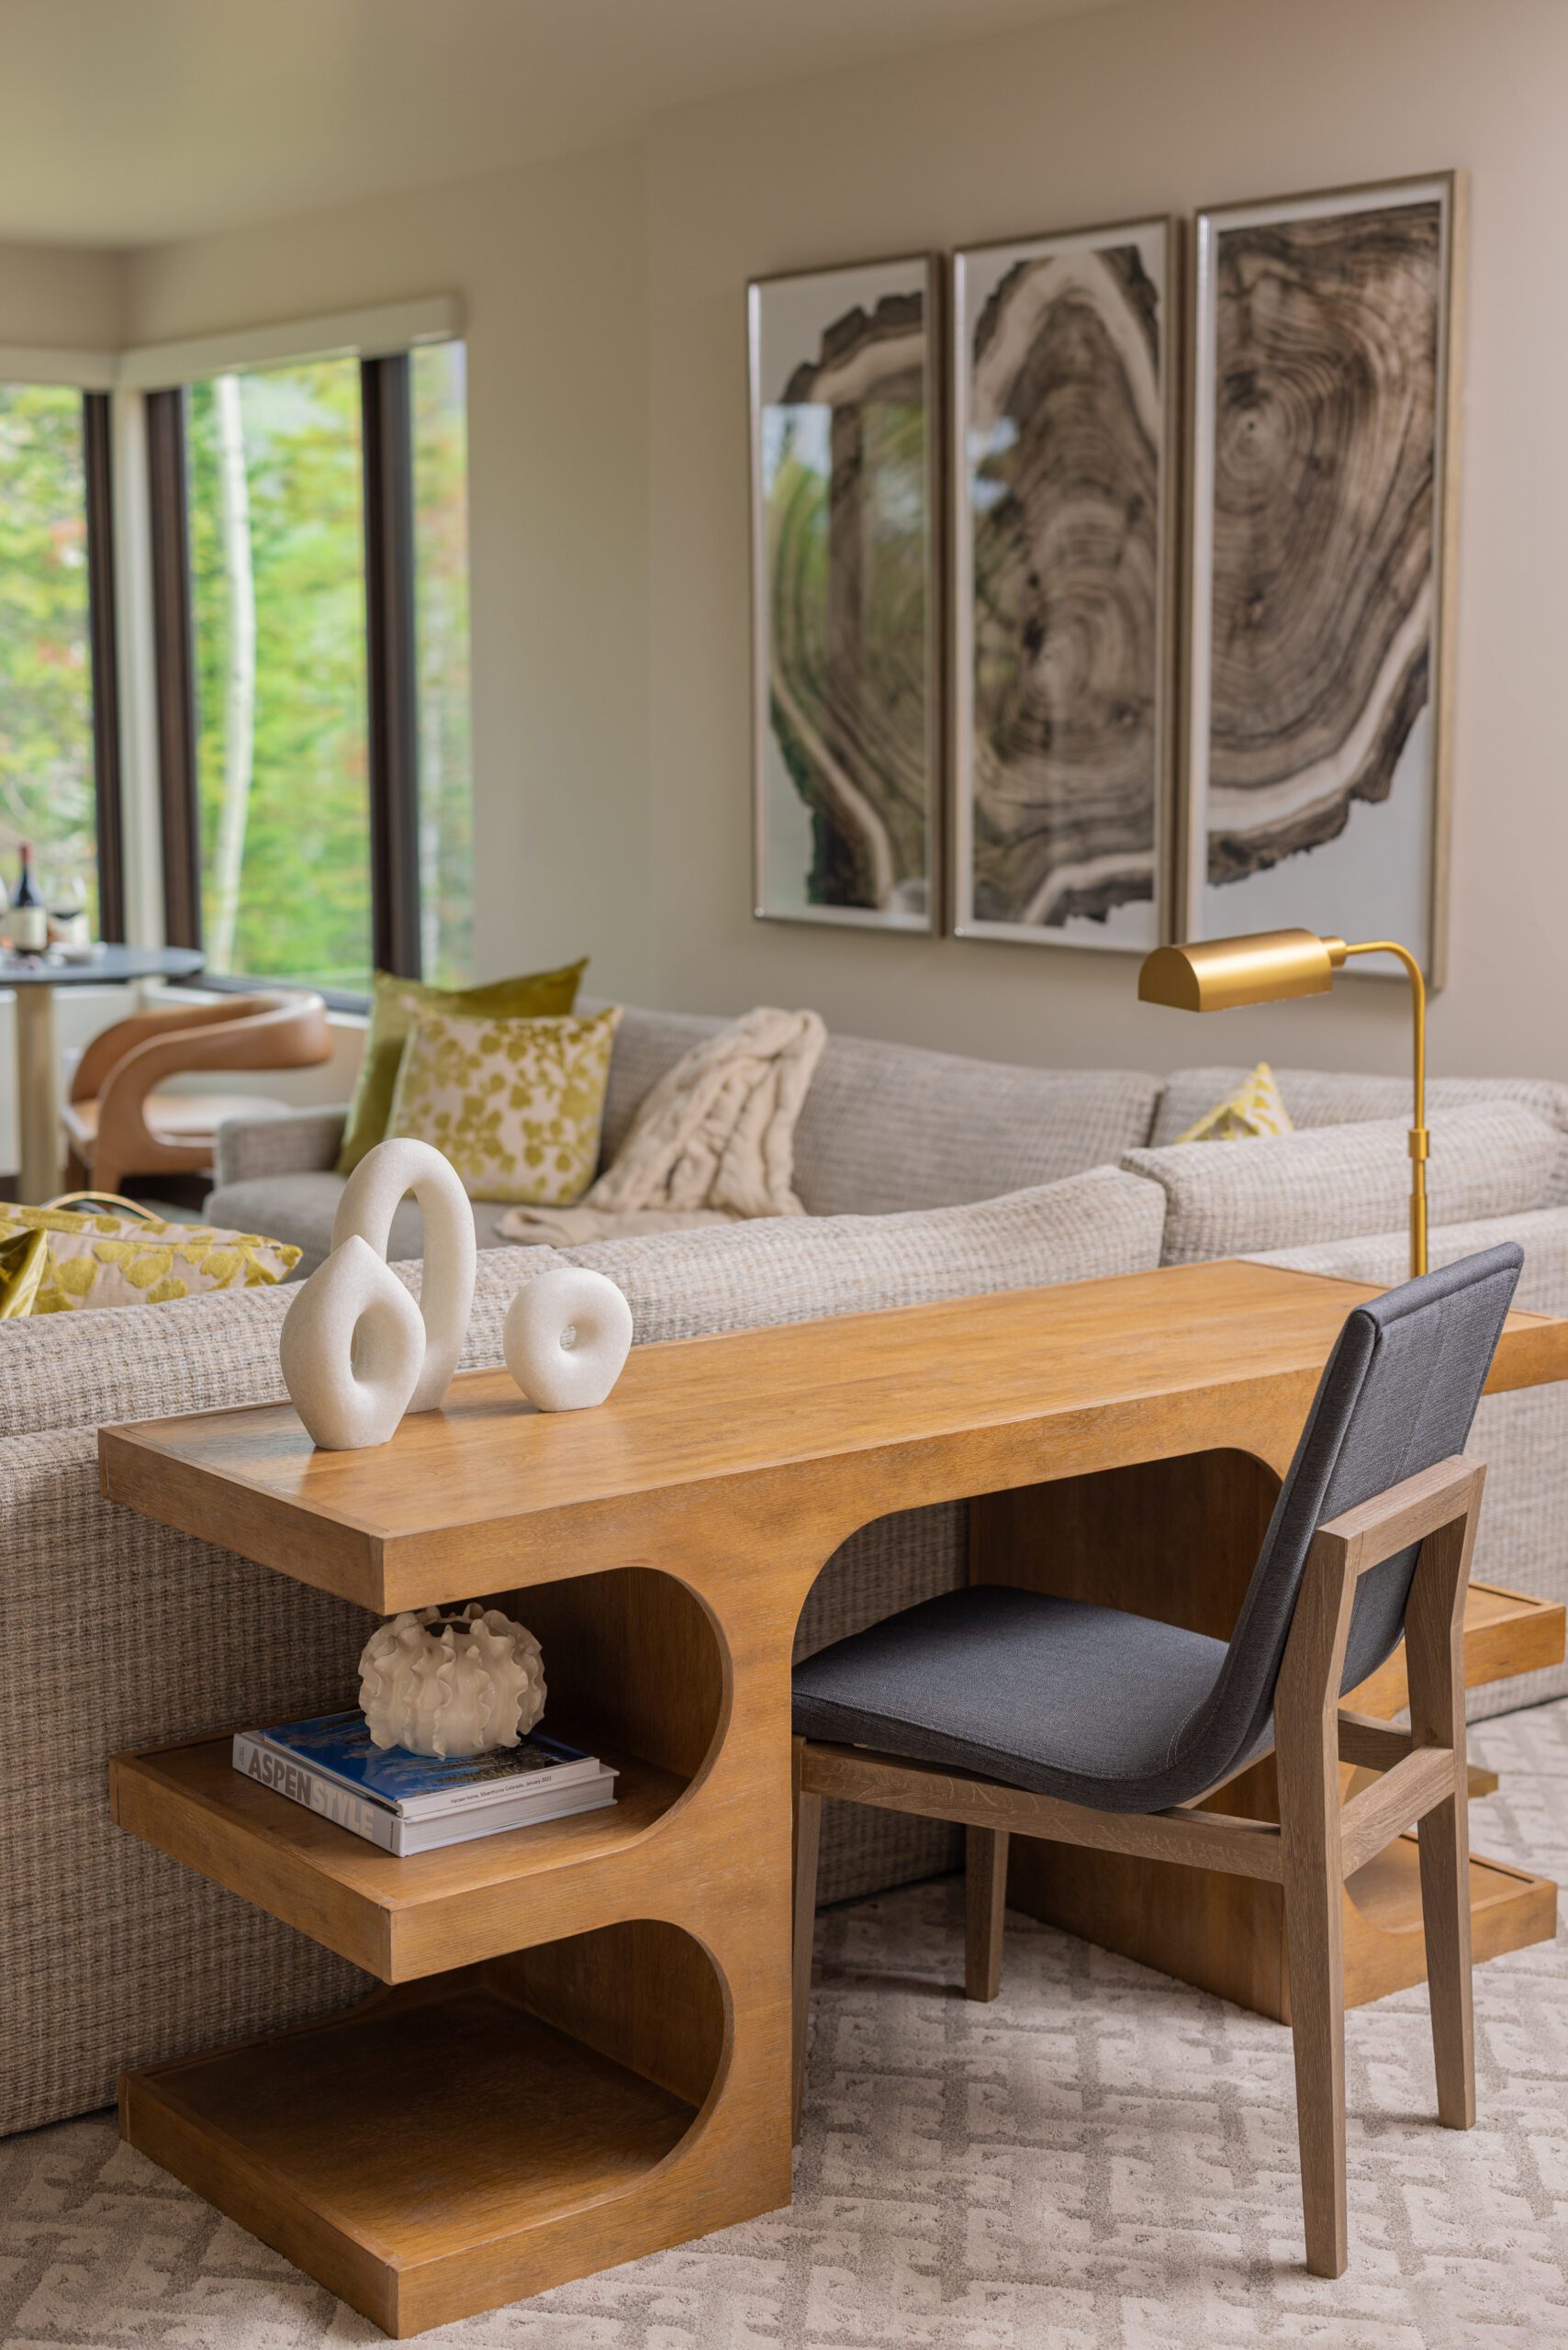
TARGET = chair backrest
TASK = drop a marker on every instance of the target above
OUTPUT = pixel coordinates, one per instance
(1397, 1395)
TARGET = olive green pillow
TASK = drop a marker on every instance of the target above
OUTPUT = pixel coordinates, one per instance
(394, 1005)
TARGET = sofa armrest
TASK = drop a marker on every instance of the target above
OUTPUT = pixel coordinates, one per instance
(303, 1141)
(1385, 1257)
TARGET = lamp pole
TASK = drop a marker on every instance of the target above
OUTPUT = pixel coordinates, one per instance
(1420, 1140)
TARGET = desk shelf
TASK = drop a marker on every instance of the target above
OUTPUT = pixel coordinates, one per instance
(398, 1919)
(385, 2147)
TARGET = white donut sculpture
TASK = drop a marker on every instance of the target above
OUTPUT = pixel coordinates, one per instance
(565, 1338)
(356, 1351)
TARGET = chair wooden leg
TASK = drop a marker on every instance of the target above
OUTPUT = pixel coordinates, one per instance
(1434, 1624)
(1307, 1751)
(1315, 1956)
(808, 1837)
(985, 1901)
(1444, 1837)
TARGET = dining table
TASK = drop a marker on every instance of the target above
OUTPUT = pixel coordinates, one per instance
(33, 980)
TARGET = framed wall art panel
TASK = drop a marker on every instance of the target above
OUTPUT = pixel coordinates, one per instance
(1326, 350)
(845, 452)
(1064, 384)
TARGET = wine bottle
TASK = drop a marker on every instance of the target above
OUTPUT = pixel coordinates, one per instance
(29, 917)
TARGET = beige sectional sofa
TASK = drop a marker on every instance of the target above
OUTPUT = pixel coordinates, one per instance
(927, 1176)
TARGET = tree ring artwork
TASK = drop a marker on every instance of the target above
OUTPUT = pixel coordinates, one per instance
(1321, 420)
(1060, 577)
(844, 594)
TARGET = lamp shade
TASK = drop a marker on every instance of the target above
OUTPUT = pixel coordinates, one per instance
(1219, 974)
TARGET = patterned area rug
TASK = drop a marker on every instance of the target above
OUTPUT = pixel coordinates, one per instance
(1101, 2161)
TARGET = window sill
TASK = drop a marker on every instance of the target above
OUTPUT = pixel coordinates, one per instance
(213, 983)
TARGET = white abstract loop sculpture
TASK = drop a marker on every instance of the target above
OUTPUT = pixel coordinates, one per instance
(357, 1352)
(451, 1685)
(383, 1179)
(565, 1338)
(351, 1347)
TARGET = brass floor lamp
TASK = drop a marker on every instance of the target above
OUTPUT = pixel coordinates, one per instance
(1218, 974)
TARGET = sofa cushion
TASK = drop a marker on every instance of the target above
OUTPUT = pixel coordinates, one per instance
(302, 1208)
(1318, 1097)
(1331, 1182)
(890, 1127)
(794, 1268)
(200, 1354)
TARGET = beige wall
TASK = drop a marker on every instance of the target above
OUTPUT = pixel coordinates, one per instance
(609, 477)
(549, 264)
(1140, 109)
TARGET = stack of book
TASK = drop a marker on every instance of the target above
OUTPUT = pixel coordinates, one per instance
(410, 1803)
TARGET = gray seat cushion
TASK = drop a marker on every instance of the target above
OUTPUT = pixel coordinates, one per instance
(1080, 1706)
(1053, 1695)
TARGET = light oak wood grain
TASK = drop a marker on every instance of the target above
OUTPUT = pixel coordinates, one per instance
(664, 1546)
(926, 1404)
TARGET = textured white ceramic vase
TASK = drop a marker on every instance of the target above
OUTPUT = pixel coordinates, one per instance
(357, 1352)
(565, 1338)
(451, 1686)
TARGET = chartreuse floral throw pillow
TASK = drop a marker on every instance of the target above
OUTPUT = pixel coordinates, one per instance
(396, 1004)
(123, 1260)
(516, 1105)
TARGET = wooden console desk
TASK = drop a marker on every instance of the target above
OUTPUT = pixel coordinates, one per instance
(583, 2052)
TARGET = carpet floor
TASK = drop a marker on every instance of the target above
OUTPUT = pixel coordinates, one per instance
(1102, 2160)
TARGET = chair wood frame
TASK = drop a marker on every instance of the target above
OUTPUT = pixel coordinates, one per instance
(123, 1063)
(1317, 1842)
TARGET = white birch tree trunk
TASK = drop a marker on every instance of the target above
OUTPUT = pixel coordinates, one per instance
(240, 681)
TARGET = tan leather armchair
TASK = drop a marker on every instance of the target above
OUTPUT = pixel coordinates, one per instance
(118, 1125)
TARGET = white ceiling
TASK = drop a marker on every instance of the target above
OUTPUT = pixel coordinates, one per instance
(123, 122)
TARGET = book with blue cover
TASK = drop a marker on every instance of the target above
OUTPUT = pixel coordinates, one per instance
(424, 1787)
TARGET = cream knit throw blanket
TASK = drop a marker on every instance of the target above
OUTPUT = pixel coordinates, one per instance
(712, 1141)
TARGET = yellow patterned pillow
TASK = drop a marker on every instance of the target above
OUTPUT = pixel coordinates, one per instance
(118, 1260)
(1254, 1111)
(24, 1260)
(515, 1104)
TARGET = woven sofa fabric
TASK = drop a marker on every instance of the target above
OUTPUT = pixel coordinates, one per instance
(1333, 1183)
(121, 1634)
(300, 1208)
(791, 1268)
(301, 1142)
(200, 1354)
(1319, 1096)
(884, 1129)
(892, 1127)
(1123, 1714)
(1522, 1436)
(1067, 1699)
(888, 1128)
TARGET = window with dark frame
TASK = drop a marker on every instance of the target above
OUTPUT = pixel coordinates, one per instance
(59, 773)
(308, 542)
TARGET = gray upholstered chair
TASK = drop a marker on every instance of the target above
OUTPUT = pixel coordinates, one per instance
(1013, 1712)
